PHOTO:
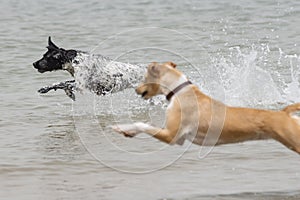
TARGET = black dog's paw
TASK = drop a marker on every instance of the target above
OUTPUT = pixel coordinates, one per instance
(43, 90)
(70, 94)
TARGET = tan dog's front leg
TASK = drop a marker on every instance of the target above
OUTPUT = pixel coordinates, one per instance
(131, 130)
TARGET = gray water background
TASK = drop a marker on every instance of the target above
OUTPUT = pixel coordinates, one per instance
(245, 53)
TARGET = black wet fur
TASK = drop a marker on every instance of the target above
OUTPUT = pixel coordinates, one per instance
(54, 58)
(67, 86)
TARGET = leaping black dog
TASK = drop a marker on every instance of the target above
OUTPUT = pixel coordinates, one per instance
(96, 73)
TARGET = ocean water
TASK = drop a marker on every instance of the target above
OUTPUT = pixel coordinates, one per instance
(244, 53)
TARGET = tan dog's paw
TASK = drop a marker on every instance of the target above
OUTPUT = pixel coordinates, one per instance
(127, 130)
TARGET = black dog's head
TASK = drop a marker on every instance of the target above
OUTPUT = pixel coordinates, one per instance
(54, 59)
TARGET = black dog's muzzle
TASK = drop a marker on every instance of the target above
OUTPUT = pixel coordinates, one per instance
(37, 65)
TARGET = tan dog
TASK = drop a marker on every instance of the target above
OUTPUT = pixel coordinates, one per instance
(197, 117)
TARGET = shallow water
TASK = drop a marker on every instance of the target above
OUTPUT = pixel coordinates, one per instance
(244, 53)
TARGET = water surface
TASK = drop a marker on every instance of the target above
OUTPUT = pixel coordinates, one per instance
(244, 53)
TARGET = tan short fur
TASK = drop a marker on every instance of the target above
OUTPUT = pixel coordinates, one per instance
(197, 117)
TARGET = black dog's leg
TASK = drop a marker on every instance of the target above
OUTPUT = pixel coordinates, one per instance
(68, 86)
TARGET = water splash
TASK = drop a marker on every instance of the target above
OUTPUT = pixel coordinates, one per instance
(291, 90)
(248, 79)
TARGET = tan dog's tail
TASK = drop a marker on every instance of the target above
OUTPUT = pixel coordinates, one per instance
(292, 108)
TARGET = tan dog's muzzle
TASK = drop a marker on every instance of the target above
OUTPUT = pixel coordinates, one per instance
(141, 90)
(147, 90)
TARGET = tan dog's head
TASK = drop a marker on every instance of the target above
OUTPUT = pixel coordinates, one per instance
(154, 77)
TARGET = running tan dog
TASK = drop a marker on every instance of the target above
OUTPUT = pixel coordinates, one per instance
(197, 117)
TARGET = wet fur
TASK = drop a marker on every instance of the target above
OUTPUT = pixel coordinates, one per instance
(96, 73)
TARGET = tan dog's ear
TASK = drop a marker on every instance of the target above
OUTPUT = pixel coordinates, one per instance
(154, 69)
(171, 64)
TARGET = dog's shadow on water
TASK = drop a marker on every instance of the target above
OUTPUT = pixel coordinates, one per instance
(60, 141)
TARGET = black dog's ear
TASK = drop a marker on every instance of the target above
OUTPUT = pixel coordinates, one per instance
(51, 44)
(71, 54)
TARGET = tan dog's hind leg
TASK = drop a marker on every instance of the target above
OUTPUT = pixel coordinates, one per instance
(292, 133)
(285, 129)
(286, 143)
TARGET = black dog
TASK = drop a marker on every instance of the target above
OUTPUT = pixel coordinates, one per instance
(96, 73)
